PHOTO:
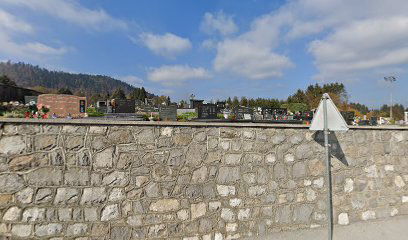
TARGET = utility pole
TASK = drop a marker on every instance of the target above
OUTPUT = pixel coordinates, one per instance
(391, 80)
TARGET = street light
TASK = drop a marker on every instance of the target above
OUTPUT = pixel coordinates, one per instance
(390, 79)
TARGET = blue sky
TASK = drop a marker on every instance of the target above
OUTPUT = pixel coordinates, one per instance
(215, 49)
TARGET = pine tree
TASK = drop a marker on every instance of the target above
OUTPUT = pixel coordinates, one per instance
(118, 94)
(7, 81)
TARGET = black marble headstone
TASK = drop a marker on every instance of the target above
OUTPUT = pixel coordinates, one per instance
(168, 113)
(243, 113)
(207, 111)
(124, 106)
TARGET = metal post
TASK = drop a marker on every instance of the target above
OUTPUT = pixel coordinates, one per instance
(328, 181)
(391, 115)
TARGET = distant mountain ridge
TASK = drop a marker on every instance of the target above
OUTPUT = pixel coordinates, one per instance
(29, 76)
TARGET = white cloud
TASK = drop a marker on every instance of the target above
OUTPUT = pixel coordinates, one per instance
(252, 54)
(176, 75)
(166, 45)
(10, 26)
(218, 22)
(363, 45)
(209, 44)
(9, 22)
(71, 11)
(352, 39)
(248, 59)
(132, 80)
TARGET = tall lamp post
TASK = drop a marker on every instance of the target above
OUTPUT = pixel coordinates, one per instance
(391, 80)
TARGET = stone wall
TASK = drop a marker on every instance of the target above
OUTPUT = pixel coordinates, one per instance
(191, 182)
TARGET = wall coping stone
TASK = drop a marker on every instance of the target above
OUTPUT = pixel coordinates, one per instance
(178, 124)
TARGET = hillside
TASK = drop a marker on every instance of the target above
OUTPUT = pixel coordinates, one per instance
(29, 76)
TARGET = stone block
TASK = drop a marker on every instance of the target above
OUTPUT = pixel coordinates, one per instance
(165, 205)
(116, 178)
(121, 233)
(110, 212)
(33, 214)
(135, 221)
(104, 159)
(66, 196)
(65, 214)
(349, 185)
(183, 214)
(244, 214)
(12, 214)
(116, 194)
(91, 214)
(48, 229)
(25, 196)
(283, 215)
(93, 195)
(11, 145)
(44, 195)
(279, 171)
(45, 142)
(302, 213)
(299, 170)
(76, 229)
(29, 161)
(97, 130)
(224, 190)
(76, 177)
(21, 230)
(228, 175)
(121, 136)
(198, 210)
(11, 183)
(233, 159)
(45, 177)
(227, 215)
(199, 175)
(368, 215)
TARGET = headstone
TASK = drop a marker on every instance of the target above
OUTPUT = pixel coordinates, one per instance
(196, 103)
(30, 100)
(348, 116)
(207, 111)
(243, 113)
(124, 106)
(373, 121)
(168, 113)
(274, 113)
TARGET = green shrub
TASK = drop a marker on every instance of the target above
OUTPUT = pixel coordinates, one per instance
(14, 114)
(188, 116)
(93, 112)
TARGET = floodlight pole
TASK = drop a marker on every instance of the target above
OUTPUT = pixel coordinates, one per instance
(390, 79)
(328, 170)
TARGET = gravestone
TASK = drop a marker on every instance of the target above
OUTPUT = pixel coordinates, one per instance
(243, 113)
(348, 116)
(30, 100)
(124, 106)
(194, 103)
(168, 113)
(207, 111)
(274, 113)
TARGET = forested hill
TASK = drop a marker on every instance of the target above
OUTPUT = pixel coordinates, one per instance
(29, 76)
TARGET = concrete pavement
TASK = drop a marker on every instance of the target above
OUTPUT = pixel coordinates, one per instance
(390, 229)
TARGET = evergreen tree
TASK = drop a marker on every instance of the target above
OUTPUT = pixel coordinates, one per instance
(7, 81)
(64, 91)
(235, 102)
(118, 94)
